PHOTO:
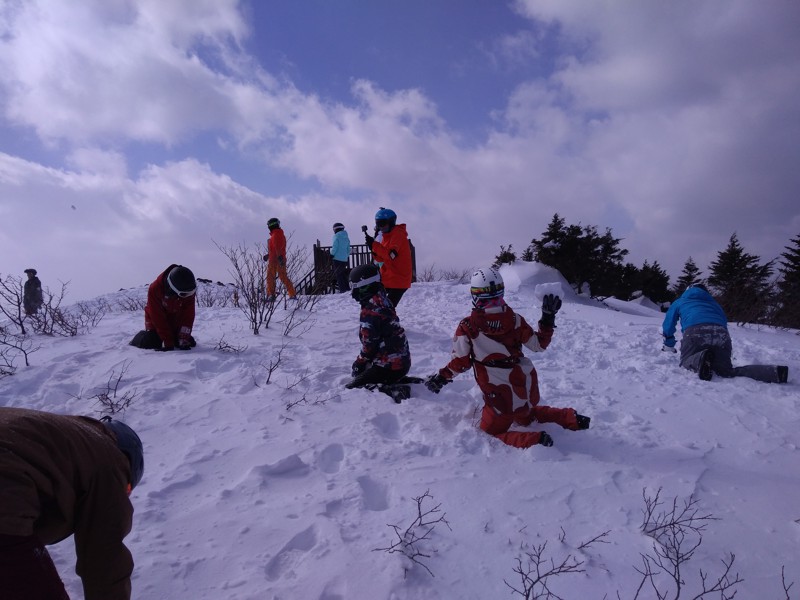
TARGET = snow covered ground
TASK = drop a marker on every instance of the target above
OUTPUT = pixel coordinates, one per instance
(288, 489)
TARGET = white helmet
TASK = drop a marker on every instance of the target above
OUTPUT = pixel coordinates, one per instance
(486, 284)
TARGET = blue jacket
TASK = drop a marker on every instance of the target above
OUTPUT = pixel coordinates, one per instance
(695, 307)
(340, 249)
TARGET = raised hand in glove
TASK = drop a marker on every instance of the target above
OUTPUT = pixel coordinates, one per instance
(369, 240)
(550, 305)
(436, 382)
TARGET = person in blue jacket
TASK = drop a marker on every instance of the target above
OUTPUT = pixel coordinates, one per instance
(706, 345)
(340, 253)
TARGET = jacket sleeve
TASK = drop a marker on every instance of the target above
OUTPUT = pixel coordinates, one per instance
(670, 323)
(103, 520)
(534, 340)
(158, 316)
(370, 333)
(461, 354)
(395, 247)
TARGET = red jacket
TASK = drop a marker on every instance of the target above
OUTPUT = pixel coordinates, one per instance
(276, 246)
(394, 252)
(167, 314)
(490, 341)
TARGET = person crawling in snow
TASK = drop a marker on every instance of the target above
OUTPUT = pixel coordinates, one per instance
(169, 313)
(490, 342)
(384, 357)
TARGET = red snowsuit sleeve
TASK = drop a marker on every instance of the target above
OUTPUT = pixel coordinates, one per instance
(276, 246)
(394, 252)
(461, 354)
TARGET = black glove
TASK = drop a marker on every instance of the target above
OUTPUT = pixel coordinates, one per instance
(266, 257)
(369, 239)
(550, 306)
(282, 261)
(358, 368)
(184, 347)
(165, 349)
(545, 439)
(436, 382)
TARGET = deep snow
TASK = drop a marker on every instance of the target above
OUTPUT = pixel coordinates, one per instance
(285, 490)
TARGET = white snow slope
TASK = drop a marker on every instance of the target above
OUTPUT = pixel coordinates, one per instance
(288, 489)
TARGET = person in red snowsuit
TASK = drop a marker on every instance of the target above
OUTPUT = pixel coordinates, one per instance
(169, 313)
(393, 251)
(276, 260)
(490, 342)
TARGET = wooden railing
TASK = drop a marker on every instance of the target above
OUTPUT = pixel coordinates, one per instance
(320, 280)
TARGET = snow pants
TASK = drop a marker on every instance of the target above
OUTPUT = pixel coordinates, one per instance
(340, 276)
(696, 340)
(377, 374)
(27, 572)
(498, 424)
(275, 270)
(395, 294)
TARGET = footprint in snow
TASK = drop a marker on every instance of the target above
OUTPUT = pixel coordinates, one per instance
(291, 554)
(330, 459)
(373, 493)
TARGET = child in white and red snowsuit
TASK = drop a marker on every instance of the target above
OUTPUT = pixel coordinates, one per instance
(490, 341)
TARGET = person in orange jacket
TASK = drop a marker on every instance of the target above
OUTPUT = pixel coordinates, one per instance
(62, 476)
(393, 251)
(276, 260)
(169, 313)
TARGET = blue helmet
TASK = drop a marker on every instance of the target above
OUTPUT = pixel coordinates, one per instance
(385, 219)
(130, 445)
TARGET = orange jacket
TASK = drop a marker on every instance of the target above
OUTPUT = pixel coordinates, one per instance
(276, 246)
(394, 252)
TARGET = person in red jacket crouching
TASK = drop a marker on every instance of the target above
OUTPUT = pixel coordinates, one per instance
(490, 341)
(169, 313)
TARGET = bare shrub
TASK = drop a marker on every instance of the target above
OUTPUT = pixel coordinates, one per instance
(110, 401)
(12, 294)
(131, 302)
(459, 276)
(677, 531)
(249, 272)
(13, 345)
(535, 570)
(224, 346)
(412, 541)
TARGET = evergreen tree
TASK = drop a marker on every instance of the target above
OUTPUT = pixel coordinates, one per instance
(655, 282)
(506, 257)
(741, 284)
(689, 276)
(630, 281)
(788, 300)
(581, 255)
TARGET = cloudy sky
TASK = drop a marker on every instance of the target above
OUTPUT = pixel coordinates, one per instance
(136, 133)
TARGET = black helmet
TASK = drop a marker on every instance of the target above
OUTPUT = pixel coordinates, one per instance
(130, 445)
(31, 271)
(273, 223)
(365, 280)
(181, 281)
(338, 227)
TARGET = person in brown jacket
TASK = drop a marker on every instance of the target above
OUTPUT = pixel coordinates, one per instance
(62, 475)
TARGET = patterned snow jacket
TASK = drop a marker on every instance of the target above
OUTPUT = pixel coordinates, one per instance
(394, 251)
(490, 341)
(63, 475)
(383, 339)
(167, 314)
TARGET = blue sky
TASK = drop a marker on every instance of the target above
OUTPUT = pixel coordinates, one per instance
(173, 125)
